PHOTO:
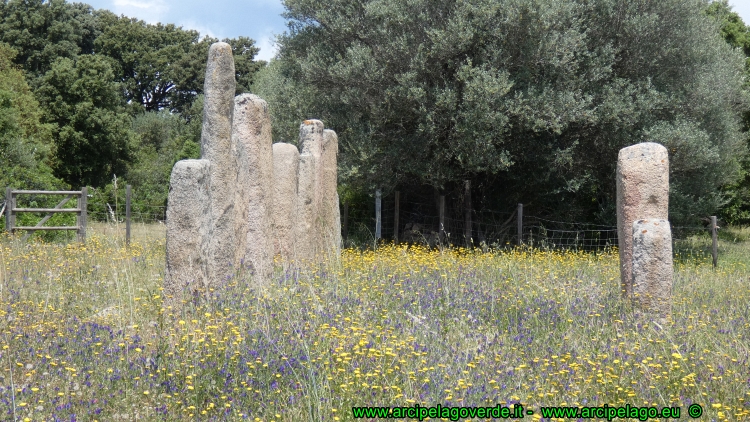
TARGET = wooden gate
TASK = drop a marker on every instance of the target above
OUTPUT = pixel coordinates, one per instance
(11, 211)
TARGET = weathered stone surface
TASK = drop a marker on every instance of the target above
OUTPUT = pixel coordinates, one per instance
(305, 246)
(311, 138)
(187, 226)
(309, 192)
(330, 217)
(642, 193)
(216, 147)
(251, 139)
(652, 267)
(336, 238)
(285, 168)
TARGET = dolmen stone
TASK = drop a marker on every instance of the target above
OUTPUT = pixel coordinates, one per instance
(186, 230)
(252, 143)
(652, 267)
(216, 147)
(642, 193)
(285, 168)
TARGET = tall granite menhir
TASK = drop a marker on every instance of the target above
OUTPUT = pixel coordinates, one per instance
(330, 215)
(642, 193)
(285, 168)
(251, 139)
(247, 199)
(309, 193)
(216, 147)
(318, 227)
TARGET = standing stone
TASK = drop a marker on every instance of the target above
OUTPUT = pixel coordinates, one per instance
(251, 139)
(311, 138)
(187, 226)
(642, 193)
(216, 147)
(309, 192)
(330, 214)
(285, 168)
(652, 267)
(304, 236)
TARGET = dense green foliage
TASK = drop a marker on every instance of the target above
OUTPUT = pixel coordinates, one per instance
(737, 34)
(528, 99)
(25, 143)
(110, 97)
(161, 139)
(26, 147)
(163, 66)
(533, 97)
(43, 31)
(85, 104)
(733, 29)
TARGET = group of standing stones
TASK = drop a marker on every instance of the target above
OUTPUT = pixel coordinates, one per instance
(248, 199)
(644, 234)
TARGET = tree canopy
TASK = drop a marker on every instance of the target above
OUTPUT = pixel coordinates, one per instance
(92, 73)
(26, 147)
(737, 35)
(163, 66)
(42, 31)
(537, 96)
(91, 129)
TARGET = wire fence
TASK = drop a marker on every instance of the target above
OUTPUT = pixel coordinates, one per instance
(119, 216)
(419, 222)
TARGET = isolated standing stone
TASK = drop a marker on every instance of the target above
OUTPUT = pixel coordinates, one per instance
(251, 138)
(642, 193)
(652, 266)
(187, 226)
(330, 214)
(285, 168)
(216, 147)
(310, 199)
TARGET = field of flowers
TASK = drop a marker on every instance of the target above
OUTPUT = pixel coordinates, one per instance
(84, 336)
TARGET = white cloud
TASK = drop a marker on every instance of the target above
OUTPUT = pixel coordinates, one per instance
(150, 11)
(268, 48)
(203, 29)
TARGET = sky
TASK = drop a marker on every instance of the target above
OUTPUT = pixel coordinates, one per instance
(258, 19)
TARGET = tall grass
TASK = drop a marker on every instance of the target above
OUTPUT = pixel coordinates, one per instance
(85, 337)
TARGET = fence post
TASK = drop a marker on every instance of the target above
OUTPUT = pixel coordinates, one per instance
(345, 235)
(395, 219)
(520, 224)
(9, 209)
(441, 213)
(377, 215)
(127, 215)
(79, 215)
(714, 240)
(82, 205)
(467, 213)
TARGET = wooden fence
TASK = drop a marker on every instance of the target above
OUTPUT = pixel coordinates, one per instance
(11, 211)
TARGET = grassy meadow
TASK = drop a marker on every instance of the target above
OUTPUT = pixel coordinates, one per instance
(84, 335)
